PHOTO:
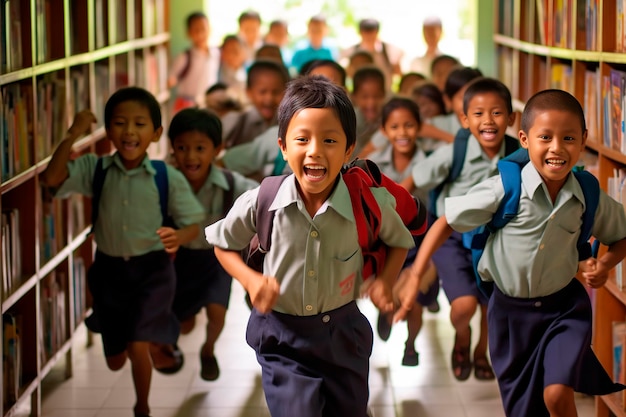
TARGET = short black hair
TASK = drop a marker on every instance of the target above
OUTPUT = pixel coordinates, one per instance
(369, 24)
(317, 92)
(220, 85)
(431, 92)
(363, 53)
(269, 51)
(195, 15)
(395, 103)
(317, 63)
(231, 38)
(193, 119)
(483, 85)
(440, 58)
(407, 76)
(266, 65)
(367, 73)
(249, 15)
(137, 94)
(551, 99)
(458, 78)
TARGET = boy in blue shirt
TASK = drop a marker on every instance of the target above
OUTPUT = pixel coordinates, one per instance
(539, 314)
(132, 279)
(311, 340)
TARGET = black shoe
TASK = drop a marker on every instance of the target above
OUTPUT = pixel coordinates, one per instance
(410, 358)
(179, 359)
(209, 370)
(434, 307)
(383, 327)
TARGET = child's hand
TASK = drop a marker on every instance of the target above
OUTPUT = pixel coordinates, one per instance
(82, 123)
(405, 293)
(380, 294)
(264, 293)
(169, 238)
(595, 273)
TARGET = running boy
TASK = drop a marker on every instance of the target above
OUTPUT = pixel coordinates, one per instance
(132, 279)
(539, 315)
(311, 340)
(487, 113)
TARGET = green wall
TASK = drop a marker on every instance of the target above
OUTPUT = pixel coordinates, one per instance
(179, 10)
(485, 51)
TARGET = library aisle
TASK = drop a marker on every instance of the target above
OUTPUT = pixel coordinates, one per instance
(395, 391)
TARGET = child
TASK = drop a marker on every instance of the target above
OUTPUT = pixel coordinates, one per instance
(315, 47)
(232, 70)
(400, 123)
(265, 87)
(311, 340)
(488, 113)
(540, 322)
(196, 69)
(278, 34)
(409, 81)
(132, 279)
(368, 96)
(429, 100)
(431, 31)
(220, 99)
(196, 137)
(250, 34)
(440, 68)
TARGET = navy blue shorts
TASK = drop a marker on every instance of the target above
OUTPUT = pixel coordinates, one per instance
(542, 341)
(313, 366)
(200, 280)
(433, 291)
(132, 300)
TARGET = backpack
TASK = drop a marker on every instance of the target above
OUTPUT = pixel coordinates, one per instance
(185, 70)
(459, 150)
(510, 172)
(162, 184)
(359, 177)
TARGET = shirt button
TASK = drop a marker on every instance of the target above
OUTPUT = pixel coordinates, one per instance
(537, 303)
(314, 233)
(311, 273)
(308, 307)
(326, 318)
(541, 246)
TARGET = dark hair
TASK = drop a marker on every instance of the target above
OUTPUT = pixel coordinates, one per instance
(407, 76)
(458, 78)
(316, 92)
(368, 25)
(193, 16)
(266, 65)
(249, 15)
(230, 38)
(269, 51)
(317, 63)
(441, 58)
(216, 87)
(401, 103)
(363, 53)
(551, 100)
(367, 73)
(278, 22)
(318, 18)
(137, 94)
(485, 85)
(196, 120)
(431, 92)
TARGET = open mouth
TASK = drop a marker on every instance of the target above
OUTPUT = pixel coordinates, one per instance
(489, 134)
(192, 168)
(130, 146)
(315, 172)
(555, 163)
(403, 142)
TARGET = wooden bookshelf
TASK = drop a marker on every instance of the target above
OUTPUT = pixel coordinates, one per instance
(578, 46)
(56, 58)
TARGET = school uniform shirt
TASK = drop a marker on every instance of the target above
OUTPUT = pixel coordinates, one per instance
(364, 131)
(385, 57)
(318, 260)
(202, 73)
(422, 64)
(448, 123)
(433, 170)
(243, 127)
(256, 156)
(130, 213)
(535, 254)
(211, 197)
(235, 79)
(384, 159)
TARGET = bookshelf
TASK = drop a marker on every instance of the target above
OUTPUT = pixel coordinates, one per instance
(578, 46)
(56, 58)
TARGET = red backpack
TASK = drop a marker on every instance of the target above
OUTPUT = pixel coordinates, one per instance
(359, 177)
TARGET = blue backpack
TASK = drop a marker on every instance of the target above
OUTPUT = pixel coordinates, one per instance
(459, 150)
(510, 172)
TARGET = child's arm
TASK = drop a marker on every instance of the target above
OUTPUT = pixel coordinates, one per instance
(173, 238)
(380, 289)
(596, 271)
(430, 131)
(263, 290)
(56, 172)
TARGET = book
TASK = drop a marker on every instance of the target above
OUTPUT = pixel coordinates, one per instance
(11, 359)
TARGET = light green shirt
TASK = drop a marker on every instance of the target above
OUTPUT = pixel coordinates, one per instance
(433, 170)
(535, 254)
(384, 159)
(211, 196)
(129, 213)
(256, 156)
(318, 260)
(446, 122)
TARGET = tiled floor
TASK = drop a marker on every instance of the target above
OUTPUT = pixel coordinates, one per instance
(426, 390)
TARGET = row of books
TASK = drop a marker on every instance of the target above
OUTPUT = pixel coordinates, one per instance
(79, 271)
(54, 226)
(614, 105)
(11, 358)
(11, 51)
(616, 188)
(11, 252)
(53, 314)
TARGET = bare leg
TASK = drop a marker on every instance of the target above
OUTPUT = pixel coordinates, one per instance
(216, 314)
(560, 401)
(139, 355)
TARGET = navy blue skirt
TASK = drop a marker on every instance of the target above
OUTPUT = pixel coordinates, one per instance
(542, 341)
(200, 280)
(424, 299)
(132, 300)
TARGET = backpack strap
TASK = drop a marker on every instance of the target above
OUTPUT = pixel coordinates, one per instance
(183, 73)
(264, 217)
(591, 191)
(511, 144)
(162, 184)
(279, 163)
(229, 195)
(96, 185)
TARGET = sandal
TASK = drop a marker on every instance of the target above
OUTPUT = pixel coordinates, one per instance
(383, 326)
(483, 370)
(209, 370)
(411, 357)
(172, 353)
(461, 364)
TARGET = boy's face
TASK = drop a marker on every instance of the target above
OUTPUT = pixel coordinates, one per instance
(456, 103)
(369, 99)
(194, 153)
(554, 142)
(432, 34)
(428, 108)
(250, 30)
(232, 54)
(317, 31)
(401, 129)
(487, 118)
(441, 71)
(199, 32)
(265, 93)
(315, 149)
(131, 130)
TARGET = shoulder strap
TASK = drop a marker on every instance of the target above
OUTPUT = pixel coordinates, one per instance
(459, 150)
(591, 192)
(511, 144)
(229, 195)
(183, 73)
(96, 186)
(279, 163)
(264, 217)
(162, 185)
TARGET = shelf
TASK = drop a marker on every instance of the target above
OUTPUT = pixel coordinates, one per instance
(614, 403)
(19, 293)
(15, 409)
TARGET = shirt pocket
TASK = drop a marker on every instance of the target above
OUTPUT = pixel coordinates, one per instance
(344, 272)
